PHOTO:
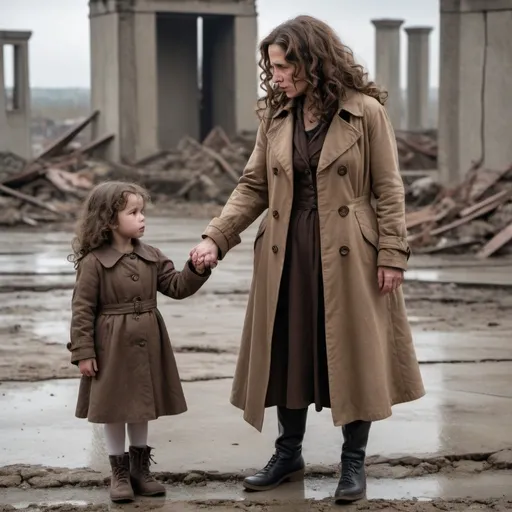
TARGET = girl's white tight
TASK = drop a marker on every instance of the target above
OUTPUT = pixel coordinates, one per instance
(115, 436)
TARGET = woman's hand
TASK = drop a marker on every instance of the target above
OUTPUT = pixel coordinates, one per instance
(206, 253)
(390, 279)
(88, 367)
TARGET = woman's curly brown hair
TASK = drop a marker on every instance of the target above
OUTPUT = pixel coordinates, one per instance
(99, 213)
(330, 69)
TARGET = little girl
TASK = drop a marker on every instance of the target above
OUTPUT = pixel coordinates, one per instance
(118, 336)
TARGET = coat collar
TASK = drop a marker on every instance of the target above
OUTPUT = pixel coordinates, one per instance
(340, 137)
(353, 103)
(108, 256)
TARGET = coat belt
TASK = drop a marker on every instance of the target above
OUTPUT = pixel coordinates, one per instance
(136, 307)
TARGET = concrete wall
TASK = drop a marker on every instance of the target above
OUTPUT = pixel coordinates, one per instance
(178, 85)
(475, 86)
(15, 123)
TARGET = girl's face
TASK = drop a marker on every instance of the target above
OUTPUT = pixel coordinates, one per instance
(131, 221)
(282, 73)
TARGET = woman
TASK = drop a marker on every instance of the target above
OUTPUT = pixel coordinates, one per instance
(326, 322)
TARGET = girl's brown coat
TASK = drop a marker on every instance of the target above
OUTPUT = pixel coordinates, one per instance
(115, 320)
(371, 358)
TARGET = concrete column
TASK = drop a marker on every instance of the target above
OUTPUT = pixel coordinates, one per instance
(475, 85)
(4, 127)
(387, 68)
(15, 123)
(246, 84)
(418, 78)
(123, 79)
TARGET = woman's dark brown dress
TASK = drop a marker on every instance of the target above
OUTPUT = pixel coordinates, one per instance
(298, 369)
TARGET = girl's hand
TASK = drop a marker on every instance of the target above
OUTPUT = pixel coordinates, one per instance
(205, 252)
(390, 279)
(88, 367)
(200, 266)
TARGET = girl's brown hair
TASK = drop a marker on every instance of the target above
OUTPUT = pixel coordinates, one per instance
(329, 66)
(99, 213)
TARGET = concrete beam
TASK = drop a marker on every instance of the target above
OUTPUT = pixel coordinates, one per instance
(14, 36)
(198, 7)
(387, 72)
(418, 77)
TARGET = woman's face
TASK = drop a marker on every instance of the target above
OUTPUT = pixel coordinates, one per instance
(282, 73)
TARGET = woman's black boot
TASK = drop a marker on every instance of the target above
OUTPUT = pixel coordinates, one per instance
(352, 484)
(287, 464)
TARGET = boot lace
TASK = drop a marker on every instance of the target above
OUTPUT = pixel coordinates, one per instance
(349, 470)
(146, 463)
(120, 474)
(271, 462)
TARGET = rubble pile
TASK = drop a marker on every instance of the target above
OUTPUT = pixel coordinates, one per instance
(476, 217)
(52, 187)
(417, 150)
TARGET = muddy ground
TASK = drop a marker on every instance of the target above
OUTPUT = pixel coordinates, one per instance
(33, 330)
(35, 291)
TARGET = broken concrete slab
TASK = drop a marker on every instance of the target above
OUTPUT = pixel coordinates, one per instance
(448, 487)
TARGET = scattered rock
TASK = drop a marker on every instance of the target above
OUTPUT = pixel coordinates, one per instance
(425, 468)
(501, 460)
(470, 466)
(388, 471)
(10, 480)
(194, 478)
(45, 482)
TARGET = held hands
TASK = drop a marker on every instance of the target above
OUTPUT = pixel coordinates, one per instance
(205, 254)
(88, 367)
(390, 279)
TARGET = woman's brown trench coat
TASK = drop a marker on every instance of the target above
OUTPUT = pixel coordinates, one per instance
(370, 354)
(115, 319)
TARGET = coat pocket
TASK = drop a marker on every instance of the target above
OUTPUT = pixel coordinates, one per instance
(261, 229)
(368, 232)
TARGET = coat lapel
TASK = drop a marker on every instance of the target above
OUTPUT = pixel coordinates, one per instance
(340, 137)
(280, 138)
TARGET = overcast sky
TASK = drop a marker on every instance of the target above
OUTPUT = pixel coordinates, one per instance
(59, 51)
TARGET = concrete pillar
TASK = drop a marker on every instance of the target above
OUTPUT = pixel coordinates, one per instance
(123, 79)
(15, 122)
(418, 78)
(246, 84)
(387, 65)
(178, 84)
(475, 86)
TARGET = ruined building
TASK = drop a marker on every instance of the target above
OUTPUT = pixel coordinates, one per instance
(147, 78)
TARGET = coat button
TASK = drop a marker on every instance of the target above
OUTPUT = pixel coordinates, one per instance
(275, 249)
(275, 170)
(344, 250)
(343, 211)
(142, 343)
(132, 256)
(308, 172)
(342, 170)
(135, 277)
(275, 214)
(311, 187)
